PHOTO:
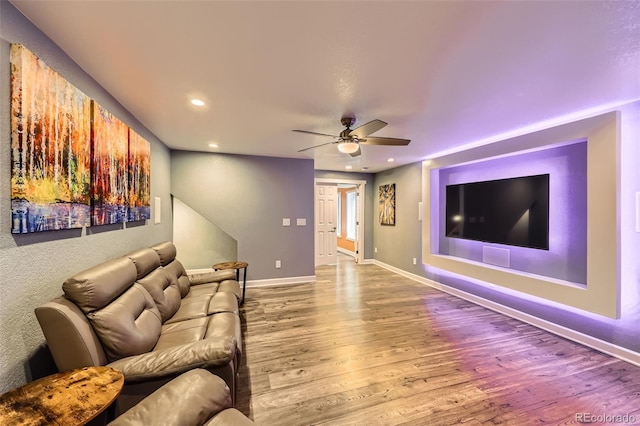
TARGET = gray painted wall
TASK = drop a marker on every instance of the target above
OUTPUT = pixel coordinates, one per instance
(198, 241)
(368, 202)
(247, 197)
(397, 245)
(33, 267)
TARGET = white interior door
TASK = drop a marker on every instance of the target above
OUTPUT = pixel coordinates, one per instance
(325, 224)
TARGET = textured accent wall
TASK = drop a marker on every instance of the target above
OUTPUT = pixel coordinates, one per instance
(248, 197)
(33, 267)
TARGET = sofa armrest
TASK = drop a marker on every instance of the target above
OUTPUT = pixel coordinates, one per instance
(212, 276)
(190, 399)
(212, 352)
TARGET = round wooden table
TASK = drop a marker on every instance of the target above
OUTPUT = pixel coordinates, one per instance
(237, 266)
(71, 398)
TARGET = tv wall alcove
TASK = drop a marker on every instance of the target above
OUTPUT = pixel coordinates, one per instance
(581, 267)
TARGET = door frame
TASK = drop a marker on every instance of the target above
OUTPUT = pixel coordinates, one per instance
(360, 185)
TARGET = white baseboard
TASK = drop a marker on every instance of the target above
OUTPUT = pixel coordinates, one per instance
(581, 338)
(368, 262)
(281, 281)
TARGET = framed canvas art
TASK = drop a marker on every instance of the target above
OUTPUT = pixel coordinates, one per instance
(109, 165)
(139, 177)
(387, 204)
(50, 148)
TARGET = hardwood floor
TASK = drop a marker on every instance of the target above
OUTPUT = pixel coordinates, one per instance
(364, 346)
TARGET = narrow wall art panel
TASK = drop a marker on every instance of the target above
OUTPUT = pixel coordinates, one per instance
(139, 177)
(109, 162)
(387, 202)
(50, 148)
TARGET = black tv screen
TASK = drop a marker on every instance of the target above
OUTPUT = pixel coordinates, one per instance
(506, 211)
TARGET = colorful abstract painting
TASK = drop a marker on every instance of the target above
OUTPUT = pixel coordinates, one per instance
(387, 201)
(109, 180)
(50, 148)
(139, 177)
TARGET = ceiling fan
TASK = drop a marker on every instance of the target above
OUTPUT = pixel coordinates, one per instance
(349, 140)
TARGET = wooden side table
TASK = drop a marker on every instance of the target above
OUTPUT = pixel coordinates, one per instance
(71, 398)
(237, 266)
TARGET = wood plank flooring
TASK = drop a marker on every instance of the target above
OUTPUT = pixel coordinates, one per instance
(364, 346)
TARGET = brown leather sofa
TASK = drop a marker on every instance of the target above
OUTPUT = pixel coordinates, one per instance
(195, 398)
(143, 315)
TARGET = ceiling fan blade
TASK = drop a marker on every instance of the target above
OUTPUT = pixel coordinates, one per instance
(384, 141)
(355, 154)
(367, 128)
(315, 133)
(316, 146)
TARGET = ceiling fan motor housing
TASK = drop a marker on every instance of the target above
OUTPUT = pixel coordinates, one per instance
(349, 140)
(348, 121)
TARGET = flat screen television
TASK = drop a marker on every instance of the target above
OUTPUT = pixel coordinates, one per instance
(511, 211)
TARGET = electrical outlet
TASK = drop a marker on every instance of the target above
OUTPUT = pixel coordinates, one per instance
(375, 250)
(414, 261)
(278, 264)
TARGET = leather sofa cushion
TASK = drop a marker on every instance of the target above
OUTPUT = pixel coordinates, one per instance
(205, 353)
(189, 309)
(166, 252)
(182, 332)
(128, 326)
(212, 276)
(202, 290)
(146, 260)
(177, 272)
(223, 324)
(230, 286)
(96, 287)
(230, 416)
(204, 305)
(223, 302)
(219, 326)
(163, 290)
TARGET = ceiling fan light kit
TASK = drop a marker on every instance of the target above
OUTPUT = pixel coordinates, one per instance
(349, 141)
(348, 147)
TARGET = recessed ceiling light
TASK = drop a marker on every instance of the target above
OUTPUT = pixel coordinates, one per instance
(213, 145)
(365, 168)
(197, 102)
(390, 160)
(348, 167)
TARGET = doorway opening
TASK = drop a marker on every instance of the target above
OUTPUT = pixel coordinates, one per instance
(339, 220)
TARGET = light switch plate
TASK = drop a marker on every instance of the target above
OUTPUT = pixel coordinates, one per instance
(286, 222)
(301, 221)
(157, 213)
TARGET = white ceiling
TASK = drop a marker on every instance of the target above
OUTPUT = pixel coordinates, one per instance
(443, 74)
